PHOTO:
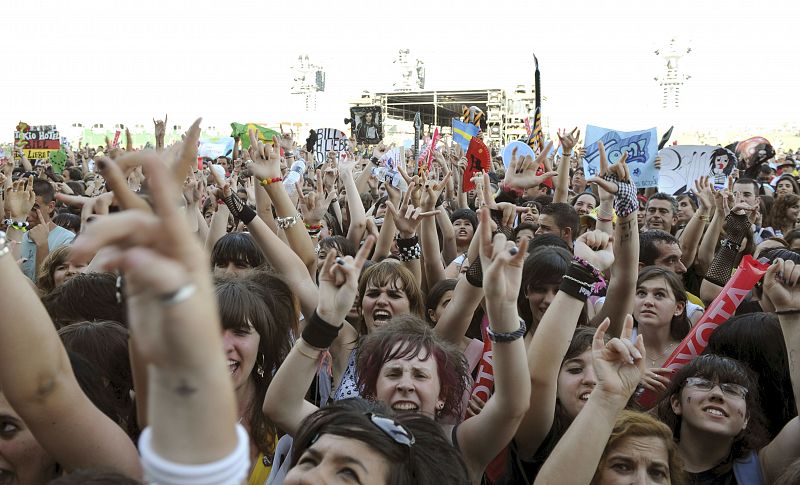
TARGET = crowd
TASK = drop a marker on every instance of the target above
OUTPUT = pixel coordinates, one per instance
(173, 320)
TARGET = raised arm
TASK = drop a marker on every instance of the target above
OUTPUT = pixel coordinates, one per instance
(174, 319)
(549, 345)
(568, 141)
(268, 170)
(691, 235)
(625, 270)
(619, 365)
(358, 217)
(483, 436)
(285, 402)
(429, 241)
(782, 287)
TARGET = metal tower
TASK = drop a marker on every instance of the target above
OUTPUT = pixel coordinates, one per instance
(411, 72)
(672, 80)
(309, 79)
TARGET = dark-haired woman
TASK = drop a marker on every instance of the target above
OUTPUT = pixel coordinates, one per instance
(344, 444)
(712, 404)
(660, 313)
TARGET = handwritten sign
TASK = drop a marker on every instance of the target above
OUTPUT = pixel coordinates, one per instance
(37, 142)
(681, 165)
(641, 148)
(329, 140)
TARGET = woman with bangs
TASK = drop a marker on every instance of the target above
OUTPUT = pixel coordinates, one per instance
(660, 315)
(405, 364)
(258, 319)
(236, 253)
(712, 404)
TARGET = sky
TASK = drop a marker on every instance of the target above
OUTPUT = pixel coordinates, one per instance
(97, 61)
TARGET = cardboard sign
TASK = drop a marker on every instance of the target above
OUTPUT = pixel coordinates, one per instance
(641, 148)
(37, 142)
(214, 148)
(681, 165)
(329, 140)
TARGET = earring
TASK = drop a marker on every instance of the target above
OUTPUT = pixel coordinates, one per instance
(260, 367)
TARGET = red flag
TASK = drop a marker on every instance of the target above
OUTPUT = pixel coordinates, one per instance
(478, 160)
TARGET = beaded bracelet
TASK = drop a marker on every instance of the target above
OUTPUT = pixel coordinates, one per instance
(287, 222)
(587, 265)
(273, 180)
(313, 227)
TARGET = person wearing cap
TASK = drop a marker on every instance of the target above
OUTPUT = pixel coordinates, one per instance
(785, 166)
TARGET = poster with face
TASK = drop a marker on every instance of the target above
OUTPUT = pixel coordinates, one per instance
(367, 124)
(681, 165)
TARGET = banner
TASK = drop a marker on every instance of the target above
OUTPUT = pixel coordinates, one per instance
(37, 142)
(426, 157)
(463, 132)
(329, 140)
(641, 148)
(216, 147)
(717, 313)
(478, 160)
(681, 165)
(241, 130)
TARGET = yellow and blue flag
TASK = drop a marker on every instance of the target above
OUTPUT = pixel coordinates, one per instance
(463, 133)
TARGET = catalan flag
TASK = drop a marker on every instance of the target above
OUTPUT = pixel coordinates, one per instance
(463, 133)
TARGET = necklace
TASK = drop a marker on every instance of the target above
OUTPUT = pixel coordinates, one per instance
(664, 353)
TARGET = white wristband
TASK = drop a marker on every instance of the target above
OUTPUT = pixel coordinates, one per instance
(232, 469)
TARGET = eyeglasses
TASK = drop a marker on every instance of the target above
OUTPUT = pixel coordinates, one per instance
(703, 384)
(395, 431)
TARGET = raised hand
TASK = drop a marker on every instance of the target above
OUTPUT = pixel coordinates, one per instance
(39, 233)
(431, 191)
(596, 248)
(521, 173)
(502, 265)
(20, 198)
(656, 379)
(780, 285)
(408, 218)
(568, 140)
(704, 193)
(160, 128)
(618, 364)
(338, 283)
(314, 205)
(620, 170)
(266, 158)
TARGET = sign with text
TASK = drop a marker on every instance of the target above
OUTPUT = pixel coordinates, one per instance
(37, 142)
(681, 165)
(640, 145)
(329, 140)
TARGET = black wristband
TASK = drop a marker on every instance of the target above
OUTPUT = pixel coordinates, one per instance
(475, 273)
(578, 282)
(320, 334)
(247, 214)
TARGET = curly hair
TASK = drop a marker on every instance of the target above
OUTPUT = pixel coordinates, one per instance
(408, 337)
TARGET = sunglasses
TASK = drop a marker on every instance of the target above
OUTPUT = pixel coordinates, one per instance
(703, 384)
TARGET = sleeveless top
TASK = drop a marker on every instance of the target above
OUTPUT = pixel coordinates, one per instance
(348, 387)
